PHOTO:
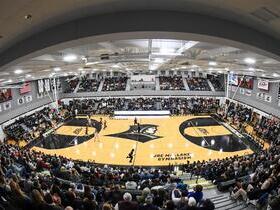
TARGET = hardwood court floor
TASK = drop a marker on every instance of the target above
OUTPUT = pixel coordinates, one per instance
(166, 146)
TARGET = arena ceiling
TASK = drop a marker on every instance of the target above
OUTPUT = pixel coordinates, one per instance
(19, 20)
(144, 55)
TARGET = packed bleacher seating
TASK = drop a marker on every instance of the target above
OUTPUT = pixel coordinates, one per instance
(88, 85)
(216, 83)
(198, 84)
(171, 83)
(253, 177)
(34, 125)
(268, 128)
(70, 85)
(32, 180)
(175, 105)
(114, 84)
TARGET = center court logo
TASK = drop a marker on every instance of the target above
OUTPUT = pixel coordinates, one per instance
(143, 133)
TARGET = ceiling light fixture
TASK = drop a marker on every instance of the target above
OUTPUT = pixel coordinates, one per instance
(115, 66)
(212, 63)
(70, 58)
(18, 71)
(80, 69)
(251, 69)
(57, 69)
(275, 75)
(7, 81)
(250, 60)
(28, 75)
(159, 60)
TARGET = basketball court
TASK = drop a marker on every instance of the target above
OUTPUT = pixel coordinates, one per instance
(160, 142)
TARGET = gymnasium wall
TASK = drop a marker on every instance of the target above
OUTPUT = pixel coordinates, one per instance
(22, 103)
(270, 104)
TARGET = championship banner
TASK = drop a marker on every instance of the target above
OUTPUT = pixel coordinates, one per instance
(279, 92)
(47, 85)
(40, 86)
(263, 84)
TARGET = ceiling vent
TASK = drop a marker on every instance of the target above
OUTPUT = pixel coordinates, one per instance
(265, 14)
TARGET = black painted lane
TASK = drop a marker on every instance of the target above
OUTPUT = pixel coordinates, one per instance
(225, 143)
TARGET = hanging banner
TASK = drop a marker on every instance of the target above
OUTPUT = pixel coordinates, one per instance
(263, 84)
(5, 95)
(47, 85)
(40, 86)
(26, 88)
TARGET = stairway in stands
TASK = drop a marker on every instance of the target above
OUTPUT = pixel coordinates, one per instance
(221, 200)
(224, 202)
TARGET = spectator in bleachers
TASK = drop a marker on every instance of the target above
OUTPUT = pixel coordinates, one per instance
(216, 83)
(88, 85)
(171, 83)
(114, 84)
(198, 84)
(71, 84)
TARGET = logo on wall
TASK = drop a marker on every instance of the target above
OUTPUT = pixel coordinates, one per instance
(7, 105)
(20, 101)
(268, 98)
(248, 92)
(143, 133)
(263, 84)
(28, 98)
(260, 96)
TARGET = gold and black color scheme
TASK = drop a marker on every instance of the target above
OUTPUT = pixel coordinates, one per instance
(142, 133)
(160, 142)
